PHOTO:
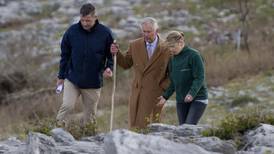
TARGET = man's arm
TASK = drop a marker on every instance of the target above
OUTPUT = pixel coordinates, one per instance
(65, 56)
(165, 81)
(125, 61)
(171, 88)
(109, 58)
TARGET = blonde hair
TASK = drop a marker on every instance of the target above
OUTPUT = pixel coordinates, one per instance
(174, 37)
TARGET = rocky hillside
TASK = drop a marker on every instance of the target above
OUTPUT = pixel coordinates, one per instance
(240, 77)
(31, 30)
(161, 139)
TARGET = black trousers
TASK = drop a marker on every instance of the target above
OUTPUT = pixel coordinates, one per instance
(190, 113)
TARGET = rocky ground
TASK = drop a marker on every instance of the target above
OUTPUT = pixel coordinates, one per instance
(45, 21)
(31, 30)
(161, 139)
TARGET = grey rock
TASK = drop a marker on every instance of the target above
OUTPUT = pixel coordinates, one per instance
(170, 136)
(244, 152)
(40, 143)
(97, 3)
(16, 12)
(215, 92)
(124, 141)
(262, 88)
(191, 29)
(271, 78)
(6, 16)
(190, 130)
(224, 12)
(215, 144)
(262, 150)
(82, 147)
(176, 139)
(261, 136)
(119, 32)
(182, 130)
(258, 150)
(12, 141)
(159, 127)
(97, 138)
(242, 93)
(121, 9)
(61, 136)
(228, 18)
(2, 2)
(12, 145)
(135, 2)
(129, 22)
(173, 21)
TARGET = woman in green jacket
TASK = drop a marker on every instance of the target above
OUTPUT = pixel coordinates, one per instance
(187, 75)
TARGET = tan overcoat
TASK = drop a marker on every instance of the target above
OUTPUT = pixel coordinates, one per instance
(150, 80)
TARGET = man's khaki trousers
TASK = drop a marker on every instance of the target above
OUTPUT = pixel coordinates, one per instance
(90, 99)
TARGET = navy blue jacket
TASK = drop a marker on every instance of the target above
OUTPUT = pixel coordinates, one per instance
(85, 55)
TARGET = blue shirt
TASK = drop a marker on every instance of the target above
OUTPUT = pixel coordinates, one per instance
(151, 47)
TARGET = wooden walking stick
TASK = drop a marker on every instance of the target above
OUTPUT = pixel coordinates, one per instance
(113, 89)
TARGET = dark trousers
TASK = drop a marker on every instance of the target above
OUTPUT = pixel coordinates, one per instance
(190, 113)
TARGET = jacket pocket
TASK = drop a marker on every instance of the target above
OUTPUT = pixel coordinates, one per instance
(184, 69)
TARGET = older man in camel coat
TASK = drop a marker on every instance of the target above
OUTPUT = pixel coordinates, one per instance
(149, 60)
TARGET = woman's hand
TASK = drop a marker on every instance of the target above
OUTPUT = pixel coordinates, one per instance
(161, 102)
(188, 98)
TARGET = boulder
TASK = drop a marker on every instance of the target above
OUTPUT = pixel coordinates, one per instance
(62, 136)
(40, 143)
(261, 136)
(124, 141)
(182, 130)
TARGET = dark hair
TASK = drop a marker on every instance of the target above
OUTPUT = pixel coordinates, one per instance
(87, 9)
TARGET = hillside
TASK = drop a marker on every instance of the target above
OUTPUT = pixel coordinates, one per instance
(234, 37)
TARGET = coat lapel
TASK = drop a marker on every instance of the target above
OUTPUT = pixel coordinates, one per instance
(143, 52)
(155, 55)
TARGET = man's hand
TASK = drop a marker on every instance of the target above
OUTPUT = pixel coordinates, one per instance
(107, 73)
(161, 102)
(59, 82)
(114, 48)
(188, 98)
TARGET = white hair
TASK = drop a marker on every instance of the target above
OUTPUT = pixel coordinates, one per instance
(151, 21)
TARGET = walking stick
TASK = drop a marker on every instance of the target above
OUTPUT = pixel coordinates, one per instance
(113, 89)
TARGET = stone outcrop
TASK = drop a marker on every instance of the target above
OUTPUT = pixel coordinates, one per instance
(161, 139)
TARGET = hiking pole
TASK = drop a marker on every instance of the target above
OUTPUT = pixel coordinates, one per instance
(113, 89)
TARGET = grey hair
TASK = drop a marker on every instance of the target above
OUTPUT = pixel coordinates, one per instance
(151, 21)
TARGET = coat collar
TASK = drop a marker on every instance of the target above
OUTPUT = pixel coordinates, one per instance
(155, 55)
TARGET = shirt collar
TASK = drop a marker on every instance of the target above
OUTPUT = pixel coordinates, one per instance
(154, 43)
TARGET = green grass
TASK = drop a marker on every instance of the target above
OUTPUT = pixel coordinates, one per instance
(243, 100)
(218, 114)
(169, 115)
(235, 125)
(213, 113)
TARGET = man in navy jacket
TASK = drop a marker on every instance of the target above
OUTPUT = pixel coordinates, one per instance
(85, 59)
